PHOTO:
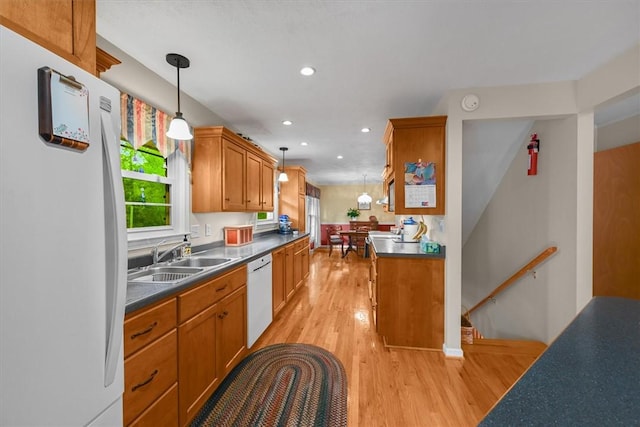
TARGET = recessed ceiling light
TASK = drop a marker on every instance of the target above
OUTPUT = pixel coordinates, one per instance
(307, 71)
(304, 143)
(287, 122)
(339, 156)
(365, 130)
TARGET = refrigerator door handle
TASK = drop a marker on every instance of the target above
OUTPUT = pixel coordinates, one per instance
(115, 243)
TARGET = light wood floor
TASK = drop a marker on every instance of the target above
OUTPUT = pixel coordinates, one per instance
(392, 387)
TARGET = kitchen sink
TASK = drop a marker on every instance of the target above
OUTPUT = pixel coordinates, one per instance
(162, 274)
(201, 262)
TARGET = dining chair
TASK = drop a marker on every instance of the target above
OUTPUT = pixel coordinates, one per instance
(360, 242)
(334, 238)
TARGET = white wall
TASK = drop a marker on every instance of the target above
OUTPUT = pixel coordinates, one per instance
(526, 215)
(619, 133)
(615, 79)
(336, 199)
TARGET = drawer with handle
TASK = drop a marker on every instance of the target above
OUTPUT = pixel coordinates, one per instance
(195, 300)
(142, 329)
(148, 374)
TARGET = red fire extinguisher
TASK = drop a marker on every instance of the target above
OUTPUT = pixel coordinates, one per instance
(534, 148)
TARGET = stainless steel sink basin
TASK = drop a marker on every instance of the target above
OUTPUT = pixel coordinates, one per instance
(162, 274)
(201, 262)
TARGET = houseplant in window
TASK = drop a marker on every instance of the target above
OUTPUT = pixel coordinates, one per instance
(353, 213)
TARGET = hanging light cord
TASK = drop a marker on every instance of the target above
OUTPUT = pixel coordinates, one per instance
(178, 70)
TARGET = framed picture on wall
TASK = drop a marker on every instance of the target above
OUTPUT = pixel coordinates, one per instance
(364, 206)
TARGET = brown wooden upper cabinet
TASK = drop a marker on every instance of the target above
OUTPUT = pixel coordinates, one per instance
(410, 140)
(292, 196)
(230, 174)
(65, 27)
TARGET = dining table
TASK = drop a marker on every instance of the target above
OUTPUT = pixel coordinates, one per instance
(353, 235)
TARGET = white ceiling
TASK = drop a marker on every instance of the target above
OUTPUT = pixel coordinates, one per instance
(375, 60)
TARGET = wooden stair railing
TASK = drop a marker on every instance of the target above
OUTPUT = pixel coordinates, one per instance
(524, 270)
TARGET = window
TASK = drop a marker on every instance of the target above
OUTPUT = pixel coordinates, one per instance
(147, 191)
(156, 192)
(155, 175)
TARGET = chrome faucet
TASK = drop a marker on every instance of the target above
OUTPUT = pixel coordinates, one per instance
(157, 258)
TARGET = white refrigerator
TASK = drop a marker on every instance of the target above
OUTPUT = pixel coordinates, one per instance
(63, 256)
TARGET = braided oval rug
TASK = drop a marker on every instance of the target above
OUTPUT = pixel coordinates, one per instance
(280, 385)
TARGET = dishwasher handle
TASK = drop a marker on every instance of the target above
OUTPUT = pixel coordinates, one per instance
(261, 266)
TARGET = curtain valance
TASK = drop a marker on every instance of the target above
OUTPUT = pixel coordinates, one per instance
(313, 191)
(142, 123)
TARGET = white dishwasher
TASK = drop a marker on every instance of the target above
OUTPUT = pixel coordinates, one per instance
(259, 307)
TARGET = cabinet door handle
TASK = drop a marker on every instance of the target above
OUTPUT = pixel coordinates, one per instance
(145, 382)
(222, 288)
(227, 199)
(248, 201)
(146, 331)
(223, 314)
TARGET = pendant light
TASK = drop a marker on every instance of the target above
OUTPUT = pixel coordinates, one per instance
(283, 175)
(364, 197)
(179, 128)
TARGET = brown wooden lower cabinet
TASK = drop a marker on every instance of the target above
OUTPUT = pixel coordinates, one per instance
(148, 374)
(213, 340)
(290, 268)
(198, 374)
(150, 365)
(162, 413)
(277, 280)
(410, 301)
(231, 329)
(305, 260)
(171, 372)
(289, 284)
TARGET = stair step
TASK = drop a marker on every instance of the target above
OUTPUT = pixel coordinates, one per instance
(503, 346)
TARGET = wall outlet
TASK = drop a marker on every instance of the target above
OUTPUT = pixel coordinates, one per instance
(195, 231)
(207, 230)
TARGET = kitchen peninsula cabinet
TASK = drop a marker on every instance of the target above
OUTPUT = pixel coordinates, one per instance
(412, 140)
(150, 366)
(212, 337)
(65, 27)
(293, 196)
(408, 300)
(230, 174)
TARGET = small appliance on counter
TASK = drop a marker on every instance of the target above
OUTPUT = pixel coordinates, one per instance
(238, 235)
(410, 227)
(284, 225)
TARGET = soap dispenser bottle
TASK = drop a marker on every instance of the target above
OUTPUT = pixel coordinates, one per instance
(186, 249)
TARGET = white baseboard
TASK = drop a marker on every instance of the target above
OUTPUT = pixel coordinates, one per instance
(452, 352)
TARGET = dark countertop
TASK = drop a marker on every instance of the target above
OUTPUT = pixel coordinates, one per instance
(142, 295)
(589, 376)
(387, 247)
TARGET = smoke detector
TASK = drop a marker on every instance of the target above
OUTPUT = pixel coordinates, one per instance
(470, 102)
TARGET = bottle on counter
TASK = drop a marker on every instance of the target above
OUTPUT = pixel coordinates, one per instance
(186, 249)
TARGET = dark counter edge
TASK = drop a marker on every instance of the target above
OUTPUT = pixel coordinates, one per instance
(155, 296)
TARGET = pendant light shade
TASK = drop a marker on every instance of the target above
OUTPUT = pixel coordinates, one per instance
(179, 128)
(283, 175)
(364, 197)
